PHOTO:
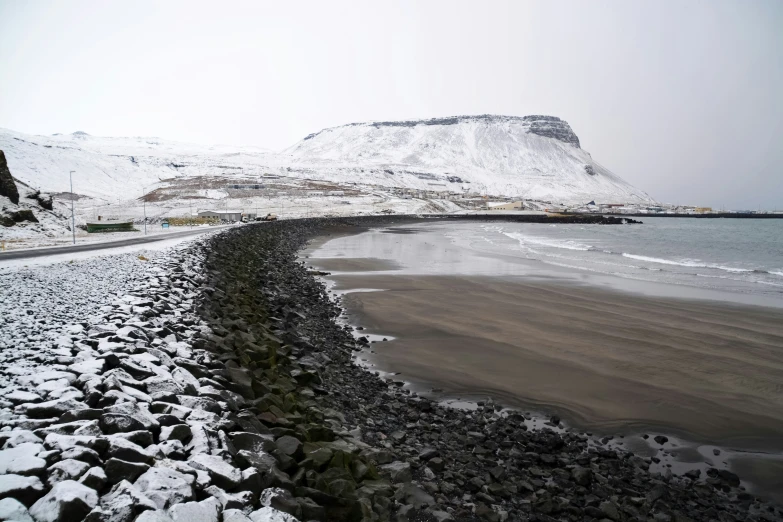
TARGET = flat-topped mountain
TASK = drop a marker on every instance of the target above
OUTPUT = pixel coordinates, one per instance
(549, 126)
(536, 157)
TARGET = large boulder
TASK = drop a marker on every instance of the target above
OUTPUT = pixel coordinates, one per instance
(166, 487)
(67, 501)
(24, 489)
(12, 509)
(7, 184)
(122, 504)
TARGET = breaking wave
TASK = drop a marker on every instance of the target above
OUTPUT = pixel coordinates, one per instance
(551, 243)
(694, 264)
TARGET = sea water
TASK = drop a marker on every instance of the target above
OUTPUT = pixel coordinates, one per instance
(734, 260)
(733, 255)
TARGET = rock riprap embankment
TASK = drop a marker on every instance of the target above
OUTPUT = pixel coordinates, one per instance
(214, 382)
(110, 410)
(361, 447)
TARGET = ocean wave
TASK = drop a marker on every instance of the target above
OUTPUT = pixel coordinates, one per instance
(693, 264)
(551, 243)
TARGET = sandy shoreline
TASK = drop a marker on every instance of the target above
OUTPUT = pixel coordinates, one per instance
(608, 361)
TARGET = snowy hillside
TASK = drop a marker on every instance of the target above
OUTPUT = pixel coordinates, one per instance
(537, 157)
(533, 157)
(108, 168)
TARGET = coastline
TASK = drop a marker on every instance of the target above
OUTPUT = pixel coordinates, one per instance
(224, 386)
(683, 377)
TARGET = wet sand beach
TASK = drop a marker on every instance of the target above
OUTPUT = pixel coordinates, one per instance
(607, 361)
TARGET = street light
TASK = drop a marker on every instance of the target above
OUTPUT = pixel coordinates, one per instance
(144, 200)
(73, 219)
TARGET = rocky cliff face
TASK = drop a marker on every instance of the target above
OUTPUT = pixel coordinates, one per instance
(7, 184)
(552, 127)
(547, 126)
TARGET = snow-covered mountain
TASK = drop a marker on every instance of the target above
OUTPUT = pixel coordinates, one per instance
(537, 157)
(108, 168)
(534, 157)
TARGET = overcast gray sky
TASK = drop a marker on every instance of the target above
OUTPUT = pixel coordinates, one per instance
(682, 99)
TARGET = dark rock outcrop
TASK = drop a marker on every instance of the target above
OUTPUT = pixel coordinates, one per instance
(7, 184)
(23, 215)
(547, 126)
(552, 127)
(46, 202)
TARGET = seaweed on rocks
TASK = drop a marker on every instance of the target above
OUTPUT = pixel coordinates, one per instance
(339, 443)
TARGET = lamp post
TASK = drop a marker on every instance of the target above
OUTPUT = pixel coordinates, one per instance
(144, 200)
(73, 219)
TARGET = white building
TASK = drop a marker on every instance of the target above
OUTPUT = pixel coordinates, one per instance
(510, 205)
(222, 215)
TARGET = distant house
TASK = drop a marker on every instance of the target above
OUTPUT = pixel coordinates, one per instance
(511, 205)
(110, 225)
(335, 193)
(228, 215)
(315, 193)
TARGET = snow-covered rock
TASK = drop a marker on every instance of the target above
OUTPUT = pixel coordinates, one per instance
(11, 509)
(23, 489)
(166, 487)
(67, 501)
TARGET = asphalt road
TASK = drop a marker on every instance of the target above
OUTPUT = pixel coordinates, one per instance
(51, 251)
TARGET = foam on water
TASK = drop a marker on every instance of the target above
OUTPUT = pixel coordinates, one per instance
(740, 256)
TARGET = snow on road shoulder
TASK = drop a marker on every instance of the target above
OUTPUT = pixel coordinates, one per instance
(102, 416)
(101, 251)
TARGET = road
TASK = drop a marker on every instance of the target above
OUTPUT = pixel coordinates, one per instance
(70, 249)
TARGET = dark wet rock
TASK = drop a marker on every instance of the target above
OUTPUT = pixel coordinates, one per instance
(253, 442)
(118, 470)
(290, 446)
(7, 184)
(661, 439)
(180, 432)
(582, 476)
(398, 471)
(120, 448)
(725, 476)
(94, 478)
(411, 494)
